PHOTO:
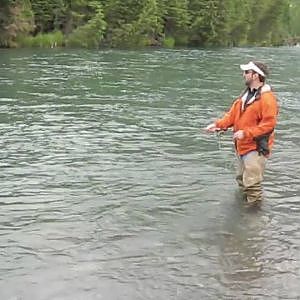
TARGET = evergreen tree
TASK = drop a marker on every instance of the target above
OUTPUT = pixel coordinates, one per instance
(293, 17)
(47, 14)
(208, 21)
(265, 21)
(16, 19)
(132, 22)
(90, 34)
(125, 23)
(237, 22)
(176, 19)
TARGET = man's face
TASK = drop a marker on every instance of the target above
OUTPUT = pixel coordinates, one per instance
(249, 77)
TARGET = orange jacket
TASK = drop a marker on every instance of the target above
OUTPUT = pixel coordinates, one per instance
(258, 117)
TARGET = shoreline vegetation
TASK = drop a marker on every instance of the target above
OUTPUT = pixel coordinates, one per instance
(144, 23)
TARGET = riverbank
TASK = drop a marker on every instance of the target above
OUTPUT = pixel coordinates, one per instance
(58, 40)
(147, 23)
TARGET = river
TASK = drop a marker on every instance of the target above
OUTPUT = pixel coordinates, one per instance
(110, 189)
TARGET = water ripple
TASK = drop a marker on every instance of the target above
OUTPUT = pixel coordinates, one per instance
(112, 190)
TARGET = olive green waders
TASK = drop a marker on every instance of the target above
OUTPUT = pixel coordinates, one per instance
(250, 171)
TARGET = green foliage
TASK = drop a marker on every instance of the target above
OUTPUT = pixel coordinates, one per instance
(169, 42)
(236, 22)
(135, 23)
(16, 19)
(208, 20)
(267, 16)
(90, 34)
(43, 40)
(47, 14)
(294, 18)
(176, 18)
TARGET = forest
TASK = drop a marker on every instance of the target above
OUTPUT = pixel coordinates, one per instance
(142, 23)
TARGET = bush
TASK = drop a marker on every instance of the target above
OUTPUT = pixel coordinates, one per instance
(42, 40)
(169, 42)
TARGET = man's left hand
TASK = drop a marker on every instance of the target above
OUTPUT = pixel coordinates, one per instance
(239, 135)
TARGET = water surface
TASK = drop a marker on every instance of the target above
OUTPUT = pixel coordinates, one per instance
(110, 189)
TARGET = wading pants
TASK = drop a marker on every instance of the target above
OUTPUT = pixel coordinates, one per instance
(250, 171)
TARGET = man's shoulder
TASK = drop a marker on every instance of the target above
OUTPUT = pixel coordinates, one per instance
(266, 88)
(267, 92)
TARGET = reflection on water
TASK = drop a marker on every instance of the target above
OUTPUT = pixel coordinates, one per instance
(241, 249)
(111, 190)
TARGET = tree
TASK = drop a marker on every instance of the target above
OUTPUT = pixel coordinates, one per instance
(208, 22)
(127, 23)
(294, 18)
(132, 22)
(176, 19)
(16, 19)
(90, 34)
(237, 22)
(47, 14)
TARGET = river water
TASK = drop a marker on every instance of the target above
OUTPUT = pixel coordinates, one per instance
(110, 189)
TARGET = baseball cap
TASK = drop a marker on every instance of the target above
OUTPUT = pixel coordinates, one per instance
(252, 66)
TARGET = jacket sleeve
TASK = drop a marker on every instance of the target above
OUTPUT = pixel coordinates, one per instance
(269, 112)
(228, 119)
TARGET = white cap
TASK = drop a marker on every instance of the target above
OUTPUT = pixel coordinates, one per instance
(252, 66)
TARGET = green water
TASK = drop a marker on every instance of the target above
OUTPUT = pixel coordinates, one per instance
(110, 189)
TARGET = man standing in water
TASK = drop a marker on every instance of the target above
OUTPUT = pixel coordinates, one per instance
(253, 117)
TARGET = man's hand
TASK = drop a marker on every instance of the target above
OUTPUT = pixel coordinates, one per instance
(212, 128)
(239, 135)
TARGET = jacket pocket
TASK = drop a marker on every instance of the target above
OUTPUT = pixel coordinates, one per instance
(262, 144)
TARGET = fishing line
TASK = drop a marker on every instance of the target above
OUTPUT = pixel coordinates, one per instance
(229, 164)
(218, 137)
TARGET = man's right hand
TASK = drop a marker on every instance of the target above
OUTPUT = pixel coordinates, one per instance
(212, 128)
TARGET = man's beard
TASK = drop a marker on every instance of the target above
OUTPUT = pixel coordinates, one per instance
(248, 82)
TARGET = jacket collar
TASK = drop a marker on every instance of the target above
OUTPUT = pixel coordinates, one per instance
(263, 89)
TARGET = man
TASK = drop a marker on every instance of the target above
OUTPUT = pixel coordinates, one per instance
(253, 117)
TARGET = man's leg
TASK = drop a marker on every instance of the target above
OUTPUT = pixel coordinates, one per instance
(239, 171)
(254, 166)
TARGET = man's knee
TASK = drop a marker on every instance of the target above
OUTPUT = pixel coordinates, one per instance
(254, 170)
(254, 193)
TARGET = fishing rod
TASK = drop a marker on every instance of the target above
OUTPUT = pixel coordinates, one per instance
(218, 132)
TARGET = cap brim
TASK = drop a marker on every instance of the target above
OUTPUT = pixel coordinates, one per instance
(245, 67)
(253, 67)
